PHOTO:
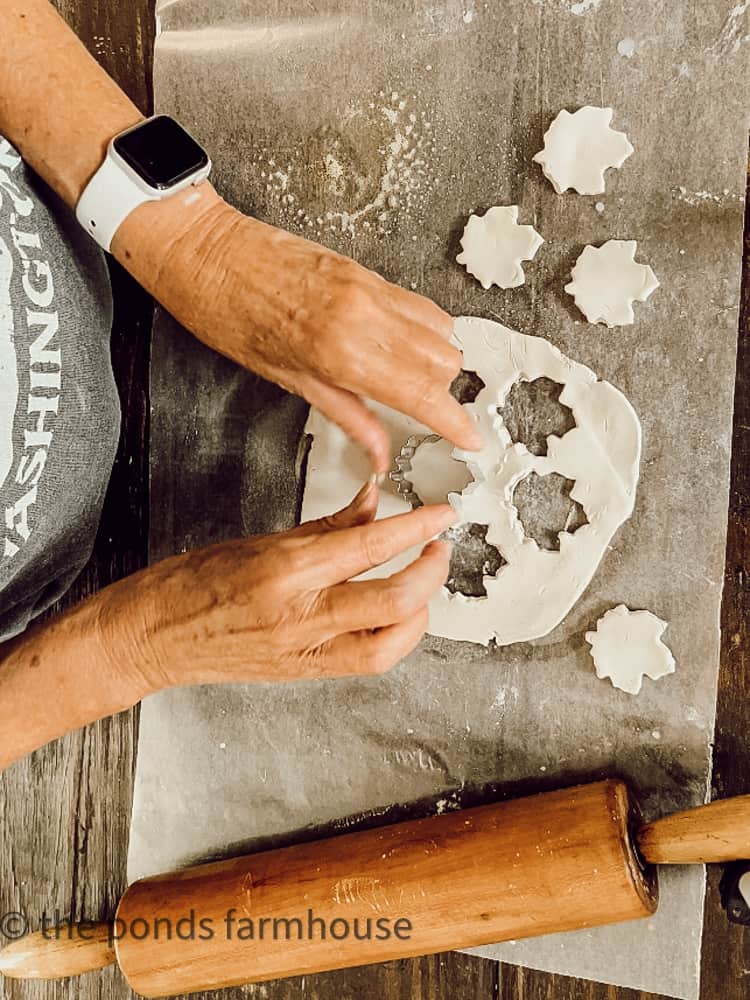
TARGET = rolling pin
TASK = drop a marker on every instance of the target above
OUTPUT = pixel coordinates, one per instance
(558, 861)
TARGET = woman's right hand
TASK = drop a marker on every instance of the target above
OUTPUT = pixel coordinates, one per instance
(282, 607)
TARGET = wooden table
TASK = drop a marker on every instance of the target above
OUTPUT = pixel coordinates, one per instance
(64, 813)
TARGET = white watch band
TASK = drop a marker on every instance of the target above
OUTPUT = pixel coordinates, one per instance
(109, 198)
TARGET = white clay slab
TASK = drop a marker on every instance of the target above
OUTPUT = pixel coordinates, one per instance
(607, 280)
(627, 646)
(579, 148)
(536, 588)
(494, 245)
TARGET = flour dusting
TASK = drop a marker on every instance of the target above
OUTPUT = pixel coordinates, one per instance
(577, 7)
(735, 30)
(390, 132)
(450, 804)
(583, 6)
(701, 197)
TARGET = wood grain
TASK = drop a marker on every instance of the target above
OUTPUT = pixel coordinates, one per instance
(558, 861)
(69, 950)
(714, 833)
(726, 947)
(64, 813)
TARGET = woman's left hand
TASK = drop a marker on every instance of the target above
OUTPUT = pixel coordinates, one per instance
(316, 323)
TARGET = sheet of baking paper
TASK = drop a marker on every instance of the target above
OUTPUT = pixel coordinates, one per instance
(377, 128)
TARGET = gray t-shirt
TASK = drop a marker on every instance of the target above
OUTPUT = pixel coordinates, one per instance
(59, 410)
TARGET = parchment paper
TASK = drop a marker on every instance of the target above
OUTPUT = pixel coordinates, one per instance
(377, 127)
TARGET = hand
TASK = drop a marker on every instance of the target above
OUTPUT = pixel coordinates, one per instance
(281, 607)
(302, 316)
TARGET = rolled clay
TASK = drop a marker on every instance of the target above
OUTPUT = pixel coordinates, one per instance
(535, 588)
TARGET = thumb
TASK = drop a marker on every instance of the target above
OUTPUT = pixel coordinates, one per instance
(361, 510)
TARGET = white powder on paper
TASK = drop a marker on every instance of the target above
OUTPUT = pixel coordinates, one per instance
(574, 6)
(354, 197)
(583, 6)
(702, 197)
(735, 30)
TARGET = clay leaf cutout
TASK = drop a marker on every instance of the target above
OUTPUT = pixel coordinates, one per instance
(579, 148)
(627, 646)
(607, 280)
(494, 244)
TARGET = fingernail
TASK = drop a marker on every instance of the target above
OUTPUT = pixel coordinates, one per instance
(377, 478)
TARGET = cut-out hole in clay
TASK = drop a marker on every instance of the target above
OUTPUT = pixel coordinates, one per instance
(466, 386)
(533, 411)
(434, 473)
(472, 559)
(545, 508)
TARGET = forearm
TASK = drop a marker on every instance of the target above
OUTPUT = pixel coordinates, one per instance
(57, 105)
(61, 121)
(62, 675)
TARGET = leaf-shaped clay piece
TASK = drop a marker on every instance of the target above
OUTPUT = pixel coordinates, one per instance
(580, 147)
(494, 244)
(607, 280)
(627, 646)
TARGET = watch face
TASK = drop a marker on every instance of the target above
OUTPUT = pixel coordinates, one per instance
(161, 152)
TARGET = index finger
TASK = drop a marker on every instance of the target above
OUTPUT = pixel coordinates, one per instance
(340, 555)
(427, 398)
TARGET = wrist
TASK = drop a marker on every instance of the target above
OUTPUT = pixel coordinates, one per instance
(128, 625)
(169, 245)
(155, 237)
(58, 676)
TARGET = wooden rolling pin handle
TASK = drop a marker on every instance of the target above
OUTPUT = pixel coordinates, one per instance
(715, 833)
(67, 950)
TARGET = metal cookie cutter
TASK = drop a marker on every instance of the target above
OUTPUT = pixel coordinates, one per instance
(399, 476)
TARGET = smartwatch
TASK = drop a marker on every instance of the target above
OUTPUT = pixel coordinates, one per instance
(149, 162)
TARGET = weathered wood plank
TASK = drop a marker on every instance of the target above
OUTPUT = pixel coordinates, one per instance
(726, 947)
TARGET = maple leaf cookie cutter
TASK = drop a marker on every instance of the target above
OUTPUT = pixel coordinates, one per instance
(399, 475)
